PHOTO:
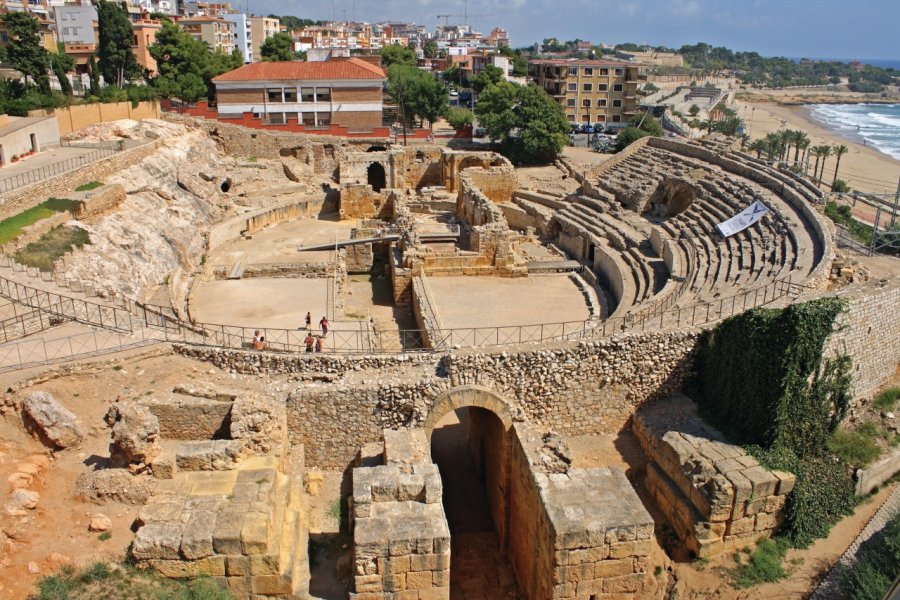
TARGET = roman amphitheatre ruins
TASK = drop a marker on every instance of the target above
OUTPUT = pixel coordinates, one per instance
(496, 410)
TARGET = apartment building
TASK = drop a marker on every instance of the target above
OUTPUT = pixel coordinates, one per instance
(340, 91)
(215, 31)
(76, 24)
(590, 91)
(145, 30)
(261, 29)
(243, 35)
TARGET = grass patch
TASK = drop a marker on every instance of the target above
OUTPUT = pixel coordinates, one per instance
(887, 399)
(101, 581)
(51, 246)
(105, 536)
(870, 576)
(842, 215)
(13, 227)
(764, 564)
(90, 185)
(858, 447)
(335, 510)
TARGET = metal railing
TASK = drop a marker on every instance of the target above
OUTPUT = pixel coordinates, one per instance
(35, 352)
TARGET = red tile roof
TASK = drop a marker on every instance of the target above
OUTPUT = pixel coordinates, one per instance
(352, 68)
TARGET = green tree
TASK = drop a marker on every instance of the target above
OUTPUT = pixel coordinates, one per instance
(824, 151)
(93, 77)
(694, 110)
(117, 62)
(62, 63)
(24, 50)
(640, 125)
(530, 126)
(839, 151)
(391, 55)
(279, 47)
(488, 76)
(418, 94)
(759, 146)
(431, 49)
(460, 117)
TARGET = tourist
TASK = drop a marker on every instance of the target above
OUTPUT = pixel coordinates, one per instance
(260, 344)
(324, 325)
(318, 343)
(255, 338)
(308, 321)
(310, 341)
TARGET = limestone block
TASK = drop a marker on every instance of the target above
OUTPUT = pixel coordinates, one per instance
(613, 568)
(766, 521)
(270, 585)
(738, 526)
(227, 534)
(764, 483)
(163, 466)
(368, 583)
(55, 422)
(263, 564)
(440, 578)
(158, 540)
(394, 583)
(314, 480)
(135, 435)
(160, 512)
(423, 562)
(402, 547)
(419, 580)
(775, 504)
(579, 572)
(589, 555)
(197, 539)
(624, 583)
(395, 564)
(786, 482)
(238, 586)
(743, 489)
(588, 587)
(237, 566)
(435, 593)
(212, 566)
(754, 506)
(255, 533)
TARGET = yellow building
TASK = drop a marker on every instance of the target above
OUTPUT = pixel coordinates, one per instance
(216, 32)
(261, 28)
(590, 91)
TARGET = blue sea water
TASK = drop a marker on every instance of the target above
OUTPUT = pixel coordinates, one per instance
(877, 124)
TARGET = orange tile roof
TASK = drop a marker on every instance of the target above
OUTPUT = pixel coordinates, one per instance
(352, 68)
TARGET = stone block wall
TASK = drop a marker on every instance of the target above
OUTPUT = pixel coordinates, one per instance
(496, 183)
(473, 205)
(97, 202)
(426, 314)
(190, 418)
(715, 496)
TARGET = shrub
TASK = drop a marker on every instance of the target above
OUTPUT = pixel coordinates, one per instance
(856, 448)
(840, 186)
(460, 117)
(887, 399)
(52, 246)
(86, 187)
(877, 563)
(12, 227)
(764, 565)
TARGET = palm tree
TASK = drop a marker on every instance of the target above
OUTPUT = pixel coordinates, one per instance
(801, 141)
(745, 139)
(839, 151)
(824, 152)
(775, 143)
(759, 146)
(816, 151)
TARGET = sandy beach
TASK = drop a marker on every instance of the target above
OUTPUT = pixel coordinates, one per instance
(863, 168)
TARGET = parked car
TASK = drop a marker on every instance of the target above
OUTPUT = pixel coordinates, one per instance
(587, 128)
(454, 93)
(479, 132)
(576, 128)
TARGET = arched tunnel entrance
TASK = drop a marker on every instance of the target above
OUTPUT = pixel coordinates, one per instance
(376, 177)
(470, 445)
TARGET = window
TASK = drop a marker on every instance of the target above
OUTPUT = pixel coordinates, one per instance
(276, 118)
(601, 102)
(323, 120)
(573, 87)
(573, 70)
(571, 118)
(604, 72)
(274, 95)
(617, 119)
(586, 118)
(601, 118)
(587, 87)
(586, 103)
(602, 87)
(309, 119)
(570, 102)
(290, 94)
(323, 94)
(617, 87)
(620, 72)
(617, 103)
(588, 72)
(307, 95)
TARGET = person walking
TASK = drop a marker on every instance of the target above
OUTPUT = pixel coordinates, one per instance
(308, 321)
(324, 325)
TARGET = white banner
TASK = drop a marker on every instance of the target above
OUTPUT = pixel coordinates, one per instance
(743, 219)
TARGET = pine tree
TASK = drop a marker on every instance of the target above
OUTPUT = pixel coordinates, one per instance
(24, 50)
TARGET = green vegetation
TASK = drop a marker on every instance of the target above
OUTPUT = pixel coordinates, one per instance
(12, 227)
(291, 22)
(870, 576)
(51, 246)
(529, 125)
(761, 379)
(841, 214)
(857, 447)
(187, 66)
(278, 47)
(24, 50)
(392, 55)
(887, 399)
(117, 62)
(640, 125)
(105, 536)
(488, 76)
(460, 117)
(764, 565)
(418, 94)
(101, 581)
(90, 185)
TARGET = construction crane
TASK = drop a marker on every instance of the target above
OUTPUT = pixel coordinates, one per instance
(446, 18)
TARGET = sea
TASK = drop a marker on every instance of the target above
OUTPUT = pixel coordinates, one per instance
(876, 124)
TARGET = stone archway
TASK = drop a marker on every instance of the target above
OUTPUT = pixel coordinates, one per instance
(470, 438)
(376, 177)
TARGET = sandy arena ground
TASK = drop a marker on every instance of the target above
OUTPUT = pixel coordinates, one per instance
(464, 302)
(257, 302)
(278, 244)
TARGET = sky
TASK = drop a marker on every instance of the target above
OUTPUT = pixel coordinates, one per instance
(796, 28)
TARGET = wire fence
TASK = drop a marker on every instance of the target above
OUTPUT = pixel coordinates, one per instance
(97, 151)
